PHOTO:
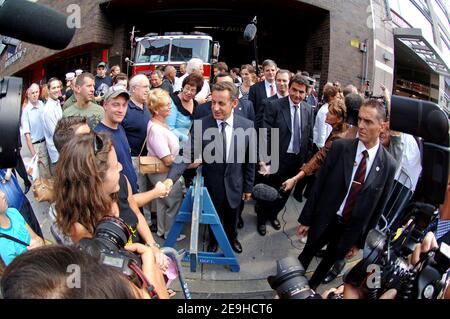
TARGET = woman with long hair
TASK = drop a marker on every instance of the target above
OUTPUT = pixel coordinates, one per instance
(89, 186)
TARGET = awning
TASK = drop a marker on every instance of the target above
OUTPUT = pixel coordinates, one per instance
(427, 51)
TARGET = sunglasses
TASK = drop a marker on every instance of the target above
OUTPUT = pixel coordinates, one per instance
(98, 143)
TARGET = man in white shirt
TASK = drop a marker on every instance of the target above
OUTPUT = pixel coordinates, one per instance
(51, 114)
(33, 129)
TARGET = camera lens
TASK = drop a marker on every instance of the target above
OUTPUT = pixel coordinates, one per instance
(290, 281)
(112, 232)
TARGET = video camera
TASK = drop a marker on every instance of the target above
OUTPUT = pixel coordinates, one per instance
(385, 263)
(107, 245)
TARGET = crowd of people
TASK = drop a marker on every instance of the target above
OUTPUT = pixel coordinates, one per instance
(334, 149)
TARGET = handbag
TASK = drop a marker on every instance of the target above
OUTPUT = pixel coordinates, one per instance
(150, 164)
(43, 190)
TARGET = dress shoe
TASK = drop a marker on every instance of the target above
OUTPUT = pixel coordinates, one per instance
(240, 224)
(236, 245)
(276, 224)
(212, 247)
(334, 272)
(153, 228)
(262, 229)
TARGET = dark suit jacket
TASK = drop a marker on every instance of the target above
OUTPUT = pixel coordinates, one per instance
(259, 117)
(277, 114)
(257, 94)
(223, 181)
(244, 109)
(331, 188)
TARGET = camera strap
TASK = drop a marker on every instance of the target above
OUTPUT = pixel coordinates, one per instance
(13, 239)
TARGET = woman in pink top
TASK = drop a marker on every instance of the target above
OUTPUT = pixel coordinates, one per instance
(164, 144)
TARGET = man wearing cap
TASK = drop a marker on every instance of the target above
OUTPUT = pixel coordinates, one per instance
(84, 91)
(115, 105)
(70, 77)
(102, 82)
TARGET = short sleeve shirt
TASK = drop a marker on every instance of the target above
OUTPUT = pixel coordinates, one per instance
(10, 249)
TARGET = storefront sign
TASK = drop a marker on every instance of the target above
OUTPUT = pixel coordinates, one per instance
(16, 56)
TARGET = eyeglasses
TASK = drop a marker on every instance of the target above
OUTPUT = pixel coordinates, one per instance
(190, 90)
(98, 144)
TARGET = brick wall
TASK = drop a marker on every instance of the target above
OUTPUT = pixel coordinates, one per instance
(347, 21)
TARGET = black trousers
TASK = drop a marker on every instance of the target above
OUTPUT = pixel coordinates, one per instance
(289, 167)
(20, 169)
(331, 237)
(229, 218)
(28, 214)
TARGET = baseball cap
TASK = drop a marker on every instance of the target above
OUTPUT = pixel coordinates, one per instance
(115, 91)
(101, 64)
(78, 72)
(70, 76)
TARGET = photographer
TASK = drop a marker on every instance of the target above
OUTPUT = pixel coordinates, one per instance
(46, 273)
(89, 186)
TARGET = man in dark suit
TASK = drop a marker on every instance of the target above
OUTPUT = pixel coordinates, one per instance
(282, 79)
(349, 194)
(228, 178)
(294, 121)
(244, 107)
(264, 89)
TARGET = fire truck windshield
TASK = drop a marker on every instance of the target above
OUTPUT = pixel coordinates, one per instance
(180, 50)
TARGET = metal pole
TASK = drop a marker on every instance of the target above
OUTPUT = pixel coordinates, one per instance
(178, 256)
(255, 43)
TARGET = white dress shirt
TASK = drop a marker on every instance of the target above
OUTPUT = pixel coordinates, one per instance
(321, 129)
(269, 88)
(292, 109)
(372, 154)
(51, 114)
(32, 121)
(228, 131)
(411, 162)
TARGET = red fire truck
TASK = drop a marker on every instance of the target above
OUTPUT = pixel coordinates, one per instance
(174, 49)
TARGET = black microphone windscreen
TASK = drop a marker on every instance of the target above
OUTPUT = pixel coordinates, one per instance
(35, 23)
(265, 192)
(250, 32)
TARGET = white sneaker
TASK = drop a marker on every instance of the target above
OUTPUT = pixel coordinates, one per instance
(181, 237)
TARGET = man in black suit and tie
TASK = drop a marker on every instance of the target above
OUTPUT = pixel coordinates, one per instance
(294, 120)
(282, 79)
(349, 194)
(228, 173)
(264, 89)
(244, 107)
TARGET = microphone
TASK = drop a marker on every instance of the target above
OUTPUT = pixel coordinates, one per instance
(250, 32)
(35, 23)
(265, 192)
